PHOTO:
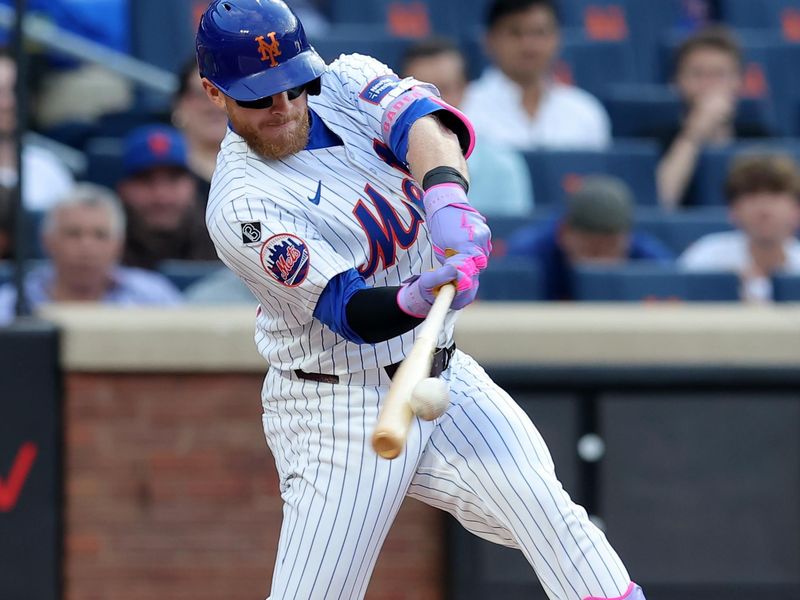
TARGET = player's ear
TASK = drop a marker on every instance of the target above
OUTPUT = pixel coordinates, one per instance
(213, 93)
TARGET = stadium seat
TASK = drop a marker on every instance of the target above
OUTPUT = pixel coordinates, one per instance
(594, 65)
(349, 39)
(647, 110)
(555, 173)
(678, 230)
(511, 279)
(104, 158)
(502, 228)
(605, 20)
(183, 273)
(402, 18)
(6, 271)
(646, 282)
(786, 288)
(777, 15)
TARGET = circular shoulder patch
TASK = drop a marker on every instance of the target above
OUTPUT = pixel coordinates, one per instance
(286, 258)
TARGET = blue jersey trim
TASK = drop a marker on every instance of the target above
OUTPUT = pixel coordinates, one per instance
(398, 140)
(319, 135)
(331, 307)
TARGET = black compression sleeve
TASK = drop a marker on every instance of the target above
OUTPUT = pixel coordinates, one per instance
(374, 315)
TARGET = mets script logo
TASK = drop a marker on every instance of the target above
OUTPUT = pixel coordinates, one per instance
(385, 230)
(269, 50)
(286, 258)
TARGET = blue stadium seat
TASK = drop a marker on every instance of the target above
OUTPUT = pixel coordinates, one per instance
(786, 288)
(405, 18)
(645, 282)
(647, 110)
(502, 228)
(183, 273)
(557, 172)
(678, 230)
(511, 279)
(599, 19)
(712, 168)
(595, 65)
(104, 158)
(648, 22)
(6, 272)
(777, 15)
(348, 40)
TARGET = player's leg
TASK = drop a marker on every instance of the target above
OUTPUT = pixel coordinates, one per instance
(488, 465)
(340, 498)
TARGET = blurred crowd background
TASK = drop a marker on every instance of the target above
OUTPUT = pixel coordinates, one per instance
(629, 150)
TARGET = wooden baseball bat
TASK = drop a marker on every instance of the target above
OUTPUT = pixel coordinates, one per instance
(395, 417)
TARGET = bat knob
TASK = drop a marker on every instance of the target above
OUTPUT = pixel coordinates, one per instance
(386, 444)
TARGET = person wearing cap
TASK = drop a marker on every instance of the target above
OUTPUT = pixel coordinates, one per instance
(83, 236)
(596, 228)
(159, 193)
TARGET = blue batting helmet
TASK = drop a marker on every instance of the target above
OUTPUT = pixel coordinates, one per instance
(251, 49)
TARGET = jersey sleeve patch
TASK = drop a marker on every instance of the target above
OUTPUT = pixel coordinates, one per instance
(251, 232)
(286, 258)
(376, 90)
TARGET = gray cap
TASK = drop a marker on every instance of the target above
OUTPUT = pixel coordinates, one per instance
(602, 204)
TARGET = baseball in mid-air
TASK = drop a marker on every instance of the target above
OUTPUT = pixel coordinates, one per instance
(430, 398)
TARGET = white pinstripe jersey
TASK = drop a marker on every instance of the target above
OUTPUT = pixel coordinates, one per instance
(266, 226)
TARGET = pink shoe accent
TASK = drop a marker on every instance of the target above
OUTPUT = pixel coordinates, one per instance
(627, 593)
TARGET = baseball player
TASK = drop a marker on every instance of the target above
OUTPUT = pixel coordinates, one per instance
(340, 199)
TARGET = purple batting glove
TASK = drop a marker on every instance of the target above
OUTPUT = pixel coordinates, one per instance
(416, 296)
(454, 225)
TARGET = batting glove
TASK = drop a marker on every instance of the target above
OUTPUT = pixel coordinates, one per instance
(416, 296)
(455, 226)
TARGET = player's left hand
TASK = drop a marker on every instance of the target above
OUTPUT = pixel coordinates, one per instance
(455, 226)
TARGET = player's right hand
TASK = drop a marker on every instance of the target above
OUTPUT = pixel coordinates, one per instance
(416, 296)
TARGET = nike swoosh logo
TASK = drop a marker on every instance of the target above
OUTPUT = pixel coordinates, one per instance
(316, 198)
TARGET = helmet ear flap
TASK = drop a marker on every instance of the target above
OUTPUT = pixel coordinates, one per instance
(313, 88)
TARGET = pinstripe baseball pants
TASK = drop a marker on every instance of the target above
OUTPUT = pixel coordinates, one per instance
(483, 461)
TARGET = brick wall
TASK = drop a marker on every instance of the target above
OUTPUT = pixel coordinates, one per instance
(171, 494)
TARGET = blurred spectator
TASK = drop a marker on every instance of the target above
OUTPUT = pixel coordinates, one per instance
(45, 178)
(159, 194)
(596, 229)
(708, 78)
(203, 125)
(516, 101)
(500, 182)
(764, 203)
(83, 236)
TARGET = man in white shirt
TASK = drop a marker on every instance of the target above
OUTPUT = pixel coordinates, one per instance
(500, 183)
(764, 196)
(516, 101)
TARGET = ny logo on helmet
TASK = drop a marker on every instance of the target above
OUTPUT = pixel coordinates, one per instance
(269, 50)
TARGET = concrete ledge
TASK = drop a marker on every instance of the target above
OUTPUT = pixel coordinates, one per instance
(217, 339)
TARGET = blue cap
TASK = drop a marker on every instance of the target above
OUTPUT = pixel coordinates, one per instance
(152, 146)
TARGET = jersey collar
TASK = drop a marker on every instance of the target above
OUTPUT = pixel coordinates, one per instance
(320, 136)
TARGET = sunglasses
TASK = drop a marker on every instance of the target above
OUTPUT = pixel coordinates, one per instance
(266, 102)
